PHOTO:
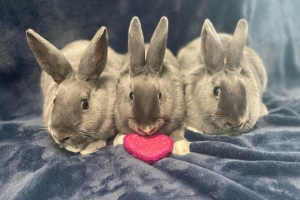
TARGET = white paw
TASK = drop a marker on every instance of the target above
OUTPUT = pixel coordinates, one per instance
(194, 129)
(119, 139)
(93, 147)
(181, 147)
(72, 149)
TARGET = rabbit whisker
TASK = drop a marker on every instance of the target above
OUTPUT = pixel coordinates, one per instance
(242, 125)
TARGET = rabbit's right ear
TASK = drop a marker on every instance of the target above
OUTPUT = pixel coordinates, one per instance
(236, 49)
(211, 48)
(136, 47)
(51, 60)
(157, 47)
(94, 58)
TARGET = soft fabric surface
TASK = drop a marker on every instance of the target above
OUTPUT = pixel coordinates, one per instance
(261, 164)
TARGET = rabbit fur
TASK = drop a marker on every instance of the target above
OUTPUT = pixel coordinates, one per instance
(224, 80)
(150, 96)
(79, 87)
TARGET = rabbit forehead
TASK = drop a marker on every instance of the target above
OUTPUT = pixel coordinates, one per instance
(72, 89)
(145, 83)
(226, 78)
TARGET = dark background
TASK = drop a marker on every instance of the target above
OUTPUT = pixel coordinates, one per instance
(274, 32)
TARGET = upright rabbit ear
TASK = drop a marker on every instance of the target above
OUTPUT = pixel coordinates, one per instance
(94, 58)
(211, 48)
(157, 47)
(136, 47)
(51, 60)
(236, 49)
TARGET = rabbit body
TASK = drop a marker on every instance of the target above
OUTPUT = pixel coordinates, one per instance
(224, 80)
(79, 88)
(150, 96)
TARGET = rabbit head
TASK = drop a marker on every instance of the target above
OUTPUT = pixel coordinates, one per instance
(225, 88)
(144, 100)
(78, 103)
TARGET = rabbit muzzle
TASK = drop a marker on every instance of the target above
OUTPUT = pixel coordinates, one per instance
(145, 130)
(59, 137)
(235, 124)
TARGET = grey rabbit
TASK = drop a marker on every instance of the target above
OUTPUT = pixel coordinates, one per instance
(150, 96)
(79, 95)
(224, 80)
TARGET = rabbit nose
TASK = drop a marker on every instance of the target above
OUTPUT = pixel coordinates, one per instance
(234, 124)
(147, 130)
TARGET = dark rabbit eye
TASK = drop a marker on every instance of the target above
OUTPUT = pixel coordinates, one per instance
(217, 91)
(131, 96)
(84, 104)
(159, 95)
(54, 100)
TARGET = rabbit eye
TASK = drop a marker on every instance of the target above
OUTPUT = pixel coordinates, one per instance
(217, 91)
(159, 95)
(131, 96)
(54, 100)
(84, 104)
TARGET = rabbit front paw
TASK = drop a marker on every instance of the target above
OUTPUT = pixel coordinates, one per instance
(194, 129)
(181, 147)
(119, 139)
(93, 147)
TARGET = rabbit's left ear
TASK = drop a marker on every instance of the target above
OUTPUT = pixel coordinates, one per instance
(211, 48)
(236, 49)
(157, 47)
(136, 47)
(93, 60)
(50, 59)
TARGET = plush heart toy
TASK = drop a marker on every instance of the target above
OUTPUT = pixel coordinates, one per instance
(149, 149)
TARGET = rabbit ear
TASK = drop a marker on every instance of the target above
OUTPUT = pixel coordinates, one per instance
(157, 47)
(236, 49)
(51, 60)
(211, 48)
(93, 60)
(136, 47)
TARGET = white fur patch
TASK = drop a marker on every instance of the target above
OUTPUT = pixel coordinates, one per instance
(119, 139)
(72, 149)
(194, 129)
(181, 147)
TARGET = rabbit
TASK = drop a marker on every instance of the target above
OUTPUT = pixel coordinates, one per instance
(79, 95)
(150, 96)
(224, 81)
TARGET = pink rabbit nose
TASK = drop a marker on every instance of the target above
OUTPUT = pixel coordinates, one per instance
(148, 130)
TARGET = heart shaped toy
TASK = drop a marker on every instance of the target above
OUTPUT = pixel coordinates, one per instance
(149, 149)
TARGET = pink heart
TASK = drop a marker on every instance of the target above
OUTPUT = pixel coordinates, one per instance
(149, 149)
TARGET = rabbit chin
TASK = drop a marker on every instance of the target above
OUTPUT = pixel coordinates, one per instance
(72, 149)
(217, 129)
(67, 147)
(221, 130)
(141, 132)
